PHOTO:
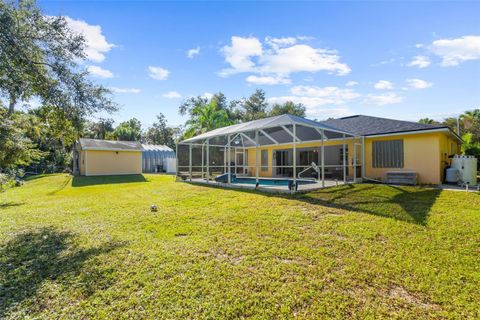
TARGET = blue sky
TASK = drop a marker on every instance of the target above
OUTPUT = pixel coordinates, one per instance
(399, 60)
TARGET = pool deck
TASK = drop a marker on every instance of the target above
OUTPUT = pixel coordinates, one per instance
(268, 188)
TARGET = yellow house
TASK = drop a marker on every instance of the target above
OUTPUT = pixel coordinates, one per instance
(352, 148)
(93, 157)
(421, 148)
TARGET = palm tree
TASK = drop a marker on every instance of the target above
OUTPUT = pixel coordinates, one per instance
(427, 121)
(469, 118)
(206, 117)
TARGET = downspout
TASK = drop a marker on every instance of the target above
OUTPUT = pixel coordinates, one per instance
(364, 176)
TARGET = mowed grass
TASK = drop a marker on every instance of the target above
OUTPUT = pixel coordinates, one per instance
(90, 248)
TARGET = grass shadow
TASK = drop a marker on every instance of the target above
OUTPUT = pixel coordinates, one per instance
(65, 183)
(6, 205)
(409, 204)
(33, 257)
(83, 181)
(35, 177)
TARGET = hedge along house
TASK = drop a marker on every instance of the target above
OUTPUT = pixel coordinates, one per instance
(345, 149)
(93, 157)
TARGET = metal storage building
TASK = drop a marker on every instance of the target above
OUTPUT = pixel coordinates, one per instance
(155, 158)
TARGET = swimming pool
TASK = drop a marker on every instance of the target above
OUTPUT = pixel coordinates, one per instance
(271, 182)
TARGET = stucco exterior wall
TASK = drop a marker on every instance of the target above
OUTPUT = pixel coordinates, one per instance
(425, 153)
(421, 154)
(110, 162)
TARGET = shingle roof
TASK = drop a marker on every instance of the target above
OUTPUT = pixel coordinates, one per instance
(97, 144)
(366, 125)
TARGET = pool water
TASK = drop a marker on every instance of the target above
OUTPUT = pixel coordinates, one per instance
(270, 182)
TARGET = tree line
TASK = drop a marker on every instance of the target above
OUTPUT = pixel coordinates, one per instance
(41, 58)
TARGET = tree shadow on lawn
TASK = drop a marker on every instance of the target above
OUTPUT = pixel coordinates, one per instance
(409, 204)
(35, 177)
(6, 205)
(33, 257)
(64, 184)
(83, 181)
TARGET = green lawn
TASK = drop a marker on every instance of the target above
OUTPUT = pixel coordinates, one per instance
(90, 248)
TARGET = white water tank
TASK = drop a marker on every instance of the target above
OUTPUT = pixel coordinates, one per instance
(452, 175)
(467, 168)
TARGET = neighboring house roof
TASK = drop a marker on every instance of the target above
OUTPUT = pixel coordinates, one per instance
(366, 125)
(98, 144)
(156, 147)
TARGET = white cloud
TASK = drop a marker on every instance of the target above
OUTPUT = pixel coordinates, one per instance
(419, 83)
(280, 42)
(324, 114)
(207, 95)
(240, 53)
(302, 58)
(383, 85)
(334, 94)
(193, 52)
(267, 80)
(172, 95)
(96, 43)
(316, 99)
(383, 99)
(158, 73)
(99, 72)
(420, 62)
(351, 83)
(455, 51)
(282, 57)
(125, 90)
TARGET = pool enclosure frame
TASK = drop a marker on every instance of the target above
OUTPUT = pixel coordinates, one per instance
(281, 130)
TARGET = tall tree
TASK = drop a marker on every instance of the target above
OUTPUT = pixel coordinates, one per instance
(254, 107)
(15, 147)
(221, 103)
(470, 118)
(130, 130)
(454, 124)
(39, 57)
(53, 133)
(427, 121)
(206, 117)
(289, 107)
(161, 133)
(101, 129)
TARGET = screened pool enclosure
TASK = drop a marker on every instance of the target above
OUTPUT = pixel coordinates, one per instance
(281, 150)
